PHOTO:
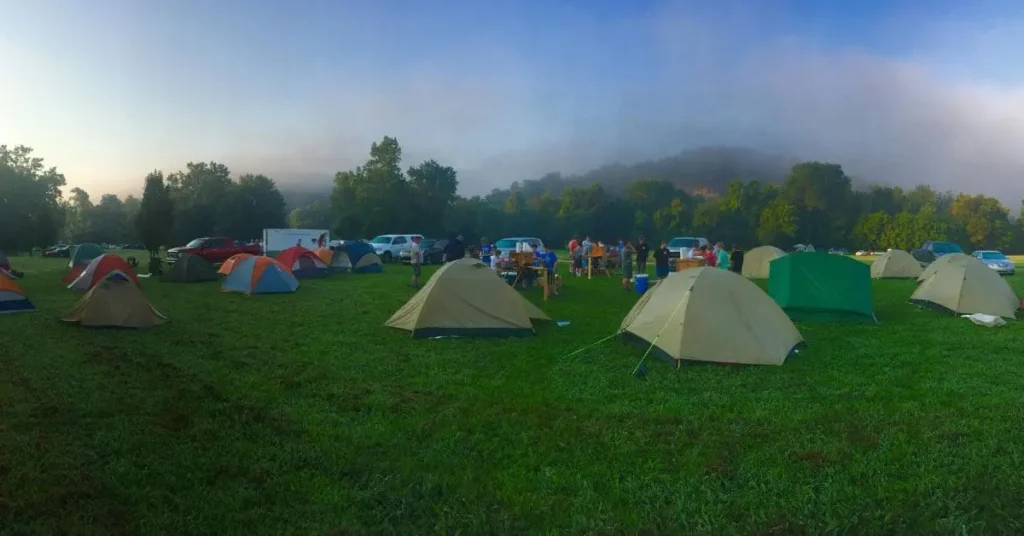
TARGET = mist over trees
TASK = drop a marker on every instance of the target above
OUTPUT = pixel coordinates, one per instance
(717, 193)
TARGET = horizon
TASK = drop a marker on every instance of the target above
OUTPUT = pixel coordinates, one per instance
(897, 93)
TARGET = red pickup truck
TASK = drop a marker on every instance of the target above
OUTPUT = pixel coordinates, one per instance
(215, 249)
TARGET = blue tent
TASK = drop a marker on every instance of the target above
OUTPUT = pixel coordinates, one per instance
(362, 257)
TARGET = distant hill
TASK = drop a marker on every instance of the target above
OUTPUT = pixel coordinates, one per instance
(704, 171)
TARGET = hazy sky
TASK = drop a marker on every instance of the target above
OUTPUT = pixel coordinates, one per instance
(907, 92)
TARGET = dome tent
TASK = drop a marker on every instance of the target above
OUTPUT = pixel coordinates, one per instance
(704, 314)
(757, 261)
(260, 275)
(822, 287)
(12, 298)
(466, 298)
(362, 258)
(939, 262)
(895, 264)
(100, 268)
(302, 263)
(117, 303)
(967, 286)
(83, 254)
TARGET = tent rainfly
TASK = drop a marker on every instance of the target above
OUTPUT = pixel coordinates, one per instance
(757, 260)
(703, 314)
(821, 287)
(944, 260)
(895, 264)
(466, 298)
(967, 286)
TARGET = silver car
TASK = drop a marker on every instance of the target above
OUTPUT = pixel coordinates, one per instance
(996, 261)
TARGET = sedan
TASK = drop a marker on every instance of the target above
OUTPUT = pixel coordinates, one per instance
(996, 261)
(432, 251)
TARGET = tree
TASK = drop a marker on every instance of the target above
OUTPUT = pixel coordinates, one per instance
(156, 215)
(778, 224)
(109, 221)
(31, 210)
(433, 190)
(254, 203)
(316, 215)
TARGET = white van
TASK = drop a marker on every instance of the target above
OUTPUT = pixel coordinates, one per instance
(388, 247)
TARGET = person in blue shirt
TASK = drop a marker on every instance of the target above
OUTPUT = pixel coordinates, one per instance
(550, 260)
(486, 249)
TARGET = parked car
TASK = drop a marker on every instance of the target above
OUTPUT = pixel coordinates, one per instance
(215, 249)
(996, 261)
(432, 250)
(389, 247)
(58, 251)
(678, 246)
(839, 251)
(509, 244)
(940, 248)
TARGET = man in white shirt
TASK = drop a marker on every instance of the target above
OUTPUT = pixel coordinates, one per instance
(415, 259)
(693, 253)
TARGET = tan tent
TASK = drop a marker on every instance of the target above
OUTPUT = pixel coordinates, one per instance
(466, 298)
(952, 258)
(115, 303)
(895, 264)
(967, 286)
(703, 314)
(756, 261)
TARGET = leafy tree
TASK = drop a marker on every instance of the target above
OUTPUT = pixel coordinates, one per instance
(778, 223)
(316, 215)
(31, 210)
(156, 215)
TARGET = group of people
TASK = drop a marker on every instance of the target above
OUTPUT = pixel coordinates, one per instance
(580, 253)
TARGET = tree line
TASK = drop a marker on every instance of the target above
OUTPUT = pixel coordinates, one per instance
(814, 202)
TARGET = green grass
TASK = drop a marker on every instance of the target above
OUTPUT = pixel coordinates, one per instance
(302, 414)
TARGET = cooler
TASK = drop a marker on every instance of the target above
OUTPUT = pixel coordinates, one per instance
(642, 283)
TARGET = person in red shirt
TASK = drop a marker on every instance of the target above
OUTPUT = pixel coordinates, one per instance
(573, 244)
(709, 257)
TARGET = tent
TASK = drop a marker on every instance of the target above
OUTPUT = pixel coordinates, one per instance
(362, 258)
(12, 299)
(467, 298)
(895, 264)
(115, 303)
(967, 286)
(712, 315)
(5, 263)
(191, 269)
(7, 274)
(259, 275)
(945, 260)
(229, 264)
(813, 286)
(756, 261)
(100, 268)
(83, 254)
(325, 254)
(302, 263)
(340, 262)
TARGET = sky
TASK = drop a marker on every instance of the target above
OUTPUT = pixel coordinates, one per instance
(901, 92)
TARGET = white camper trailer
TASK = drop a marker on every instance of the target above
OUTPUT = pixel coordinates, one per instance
(278, 240)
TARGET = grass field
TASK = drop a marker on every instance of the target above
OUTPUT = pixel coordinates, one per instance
(302, 414)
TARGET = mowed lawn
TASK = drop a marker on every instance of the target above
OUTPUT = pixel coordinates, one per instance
(303, 414)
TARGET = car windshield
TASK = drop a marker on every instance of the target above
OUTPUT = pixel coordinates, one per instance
(992, 256)
(196, 243)
(383, 239)
(946, 247)
(682, 243)
(507, 243)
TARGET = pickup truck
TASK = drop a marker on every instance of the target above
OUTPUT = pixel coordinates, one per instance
(215, 249)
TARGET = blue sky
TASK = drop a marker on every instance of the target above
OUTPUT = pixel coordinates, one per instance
(901, 91)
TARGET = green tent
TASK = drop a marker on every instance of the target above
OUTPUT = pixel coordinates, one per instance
(190, 269)
(83, 254)
(816, 287)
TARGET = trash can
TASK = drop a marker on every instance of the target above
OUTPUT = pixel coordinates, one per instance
(642, 283)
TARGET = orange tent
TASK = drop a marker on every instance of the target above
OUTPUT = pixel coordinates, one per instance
(12, 299)
(99, 268)
(302, 262)
(259, 275)
(229, 264)
(325, 254)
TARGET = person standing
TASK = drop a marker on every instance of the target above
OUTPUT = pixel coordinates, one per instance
(486, 249)
(416, 261)
(627, 265)
(661, 256)
(455, 250)
(642, 251)
(709, 257)
(736, 259)
(722, 256)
